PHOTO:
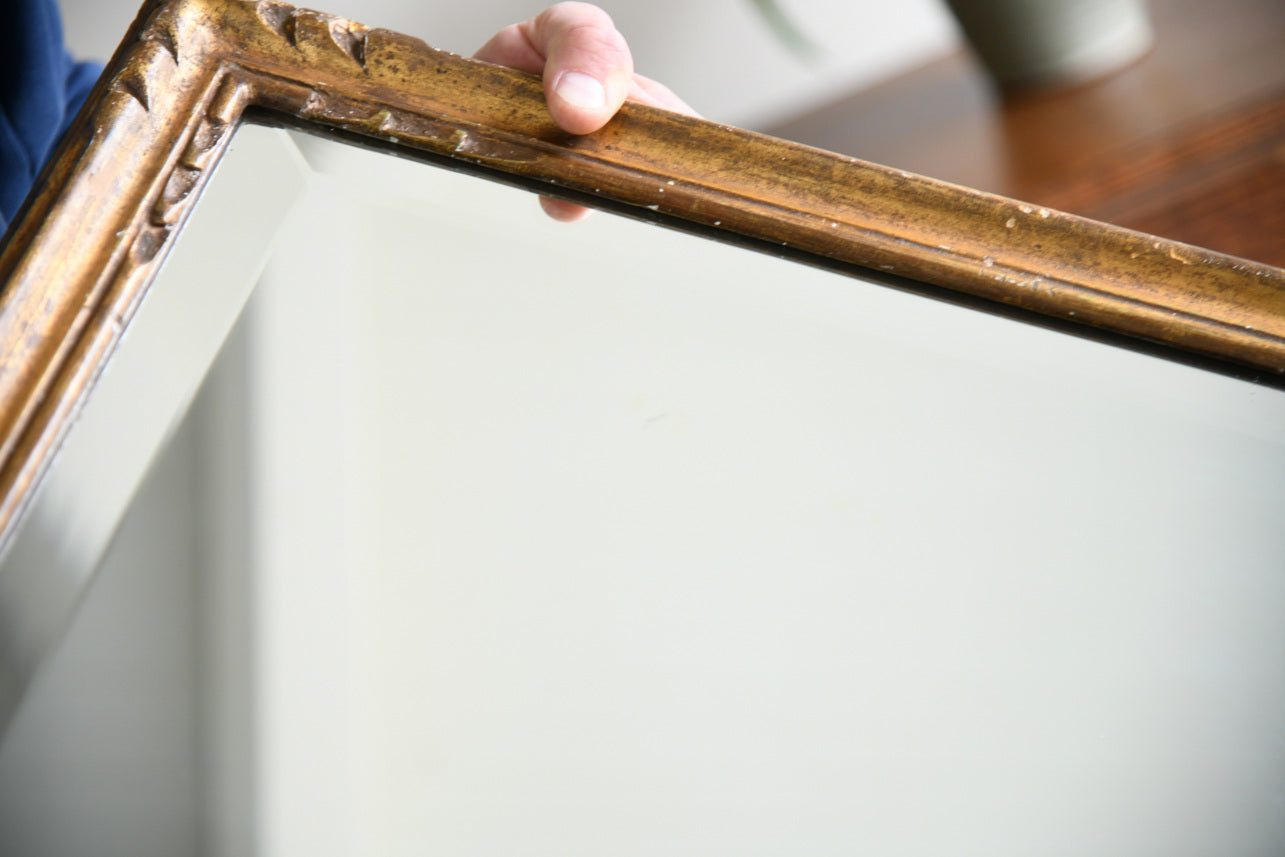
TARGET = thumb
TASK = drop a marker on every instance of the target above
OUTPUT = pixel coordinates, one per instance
(588, 68)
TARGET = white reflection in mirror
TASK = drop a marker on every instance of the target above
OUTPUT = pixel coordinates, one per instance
(606, 539)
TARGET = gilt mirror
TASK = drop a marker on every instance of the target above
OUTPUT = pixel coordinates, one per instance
(615, 538)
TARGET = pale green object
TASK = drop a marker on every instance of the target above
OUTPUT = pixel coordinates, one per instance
(786, 30)
(1042, 42)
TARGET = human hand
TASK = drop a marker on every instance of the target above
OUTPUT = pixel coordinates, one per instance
(587, 69)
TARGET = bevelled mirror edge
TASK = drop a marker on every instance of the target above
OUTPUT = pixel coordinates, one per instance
(82, 253)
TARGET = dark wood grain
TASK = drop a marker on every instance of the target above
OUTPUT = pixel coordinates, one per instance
(1187, 142)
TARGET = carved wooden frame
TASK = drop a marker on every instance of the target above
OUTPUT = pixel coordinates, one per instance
(81, 254)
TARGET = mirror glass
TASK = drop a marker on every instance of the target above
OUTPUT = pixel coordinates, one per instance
(490, 535)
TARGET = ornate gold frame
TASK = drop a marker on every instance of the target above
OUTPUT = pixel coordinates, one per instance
(81, 254)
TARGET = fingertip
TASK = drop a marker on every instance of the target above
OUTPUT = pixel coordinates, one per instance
(588, 67)
(581, 91)
(581, 103)
(563, 211)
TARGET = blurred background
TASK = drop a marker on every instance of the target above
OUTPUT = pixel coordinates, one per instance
(195, 706)
(718, 53)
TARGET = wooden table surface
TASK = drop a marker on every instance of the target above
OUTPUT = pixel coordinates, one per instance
(1188, 142)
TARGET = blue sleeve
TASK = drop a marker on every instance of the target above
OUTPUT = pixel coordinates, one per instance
(41, 89)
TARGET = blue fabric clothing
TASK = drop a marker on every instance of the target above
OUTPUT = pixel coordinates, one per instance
(41, 89)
